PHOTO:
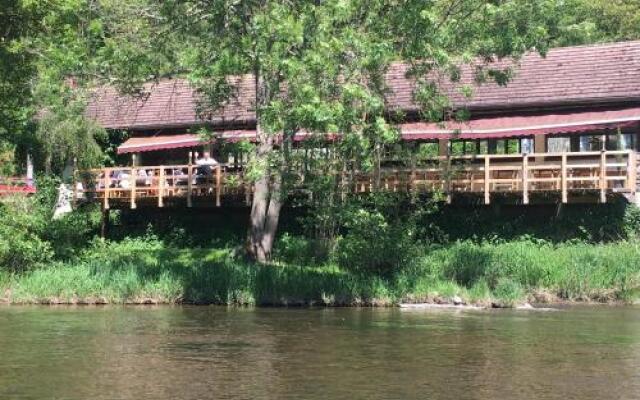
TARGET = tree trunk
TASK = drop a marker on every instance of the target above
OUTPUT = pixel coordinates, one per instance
(265, 209)
(267, 201)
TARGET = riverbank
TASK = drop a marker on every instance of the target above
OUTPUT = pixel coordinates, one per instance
(136, 271)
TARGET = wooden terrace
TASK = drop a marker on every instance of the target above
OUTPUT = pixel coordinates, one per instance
(583, 176)
(16, 186)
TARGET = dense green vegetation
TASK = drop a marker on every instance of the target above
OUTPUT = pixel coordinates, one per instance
(330, 55)
(146, 270)
(380, 257)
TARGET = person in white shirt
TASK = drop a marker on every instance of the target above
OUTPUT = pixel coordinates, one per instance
(206, 163)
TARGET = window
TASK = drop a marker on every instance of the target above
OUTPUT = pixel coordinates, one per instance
(558, 144)
(526, 145)
(463, 147)
(428, 150)
(590, 143)
(621, 141)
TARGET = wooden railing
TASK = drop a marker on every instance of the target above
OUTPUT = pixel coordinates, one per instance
(484, 175)
(13, 185)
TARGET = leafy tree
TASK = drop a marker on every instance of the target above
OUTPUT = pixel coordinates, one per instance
(320, 67)
(591, 21)
(16, 70)
(315, 66)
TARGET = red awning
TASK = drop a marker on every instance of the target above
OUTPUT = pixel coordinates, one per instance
(501, 127)
(166, 142)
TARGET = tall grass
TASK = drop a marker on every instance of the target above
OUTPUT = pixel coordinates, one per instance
(145, 270)
(569, 270)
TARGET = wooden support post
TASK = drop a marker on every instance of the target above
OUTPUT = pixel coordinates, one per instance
(443, 147)
(631, 172)
(218, 185)
(161, 187)
(107, 183)
(563, 178)
(448, 175)
(525, 179)
(189, 183)
(487, 180)
(104, 225)
(540, 146)
(412, 176)
(74, 182)
(603, 177)
(132, 180)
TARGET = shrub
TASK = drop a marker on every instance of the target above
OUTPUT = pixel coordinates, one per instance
(21, 247)
(375, 244)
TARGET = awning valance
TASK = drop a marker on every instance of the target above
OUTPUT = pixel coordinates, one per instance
(485, 128)
(518, 126)
(167, 142)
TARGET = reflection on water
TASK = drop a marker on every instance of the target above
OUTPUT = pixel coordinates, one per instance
(218, 353)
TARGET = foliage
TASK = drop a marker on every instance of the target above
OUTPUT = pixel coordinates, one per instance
(613, 221)
(375, 244)
(145, 269)
(21, 247)
(591, 21)
(571, 270)
(29, 238)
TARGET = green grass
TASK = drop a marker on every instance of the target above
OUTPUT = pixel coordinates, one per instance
(145, 270)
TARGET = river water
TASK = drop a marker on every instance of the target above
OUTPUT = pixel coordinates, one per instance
(229, 353)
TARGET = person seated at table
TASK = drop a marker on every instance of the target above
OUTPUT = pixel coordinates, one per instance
(206, 162)
(142, 178)
(205, 167)
(120, 179)
(179, 177)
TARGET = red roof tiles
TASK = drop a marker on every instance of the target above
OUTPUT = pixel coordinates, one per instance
(582, 74)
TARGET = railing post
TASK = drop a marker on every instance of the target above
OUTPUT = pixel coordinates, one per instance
(107, 183)
(525, 179)
(218, 184)
(603, 177)
(74, 182)
(133, 179)
(448, 177)
(161, 187)
(487, 178)
(631, 172)
(563, 178)
(189, 184)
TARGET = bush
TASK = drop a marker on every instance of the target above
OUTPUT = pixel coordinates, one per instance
(376, 245)
(29, 237)
(299, 250)
(21, 247)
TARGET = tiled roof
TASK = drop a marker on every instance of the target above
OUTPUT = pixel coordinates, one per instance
(582, 74)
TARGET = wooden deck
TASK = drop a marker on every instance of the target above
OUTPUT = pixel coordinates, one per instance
(588, 175)
(15, 186)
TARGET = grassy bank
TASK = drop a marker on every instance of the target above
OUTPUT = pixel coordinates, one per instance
(146, 271)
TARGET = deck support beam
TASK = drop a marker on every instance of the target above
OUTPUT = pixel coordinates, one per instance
(189, 185)
(161, 187)
(104, 223)
(632, 173)
(563, 178)
(218, 185)
(487, 181)
(107, 183)
(603, 177)
(132, 180)
(525, 179)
